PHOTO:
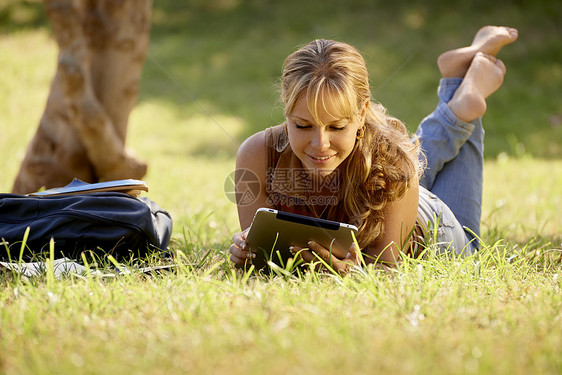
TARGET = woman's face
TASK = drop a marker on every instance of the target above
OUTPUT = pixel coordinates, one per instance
(322, 147)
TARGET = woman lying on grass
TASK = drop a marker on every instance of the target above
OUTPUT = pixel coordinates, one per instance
(340, 156)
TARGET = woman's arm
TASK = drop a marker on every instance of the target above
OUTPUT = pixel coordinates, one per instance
(251, 165)
(400, 219)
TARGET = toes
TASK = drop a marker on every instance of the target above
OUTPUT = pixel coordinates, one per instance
(492, 58)
(501, 65)
(483, 57)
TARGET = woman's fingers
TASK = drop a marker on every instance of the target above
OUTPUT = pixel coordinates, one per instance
(322, 252)
(342, 266)
(239, 255)
(237, 261)
(352, 255)
(299, 253)
(237, 252)
(240, 239)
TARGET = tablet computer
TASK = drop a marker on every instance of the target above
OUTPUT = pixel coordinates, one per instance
(272, 233)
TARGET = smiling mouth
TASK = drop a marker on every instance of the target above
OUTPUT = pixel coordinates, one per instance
(321, 158)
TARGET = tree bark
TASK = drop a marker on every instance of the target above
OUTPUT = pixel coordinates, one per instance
(82, 133)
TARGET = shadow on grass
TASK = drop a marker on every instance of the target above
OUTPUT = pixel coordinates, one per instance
(17, 15)
(230, 53)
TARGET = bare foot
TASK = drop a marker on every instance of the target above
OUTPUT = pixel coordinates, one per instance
(489, 40)
(483, 78)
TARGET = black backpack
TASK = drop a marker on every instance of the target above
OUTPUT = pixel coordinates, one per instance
(102, 222)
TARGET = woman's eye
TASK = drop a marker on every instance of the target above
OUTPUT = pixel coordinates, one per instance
(338, 128)
(300, 126)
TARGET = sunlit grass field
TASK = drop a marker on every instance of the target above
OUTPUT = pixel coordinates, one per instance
(209, 81)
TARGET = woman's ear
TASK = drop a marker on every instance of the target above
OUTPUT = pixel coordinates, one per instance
(364, 108)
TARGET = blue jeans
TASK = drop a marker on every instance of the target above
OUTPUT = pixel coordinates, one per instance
(454, 157)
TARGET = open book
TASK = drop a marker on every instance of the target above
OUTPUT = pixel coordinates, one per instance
(129, 186)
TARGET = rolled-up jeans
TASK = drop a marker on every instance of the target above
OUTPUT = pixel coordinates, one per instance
(453, 153)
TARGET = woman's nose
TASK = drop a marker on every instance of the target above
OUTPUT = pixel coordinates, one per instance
(320, 140)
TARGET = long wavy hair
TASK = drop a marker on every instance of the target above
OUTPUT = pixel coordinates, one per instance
(384, 161)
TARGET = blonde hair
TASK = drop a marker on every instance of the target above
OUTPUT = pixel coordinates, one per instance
(384, 161)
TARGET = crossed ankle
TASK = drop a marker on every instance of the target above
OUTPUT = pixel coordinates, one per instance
(468, 106)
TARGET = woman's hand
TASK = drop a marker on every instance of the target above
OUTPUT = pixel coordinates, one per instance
(239, 254)
(316, 253)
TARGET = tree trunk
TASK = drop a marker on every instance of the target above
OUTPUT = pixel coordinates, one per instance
(102, 48)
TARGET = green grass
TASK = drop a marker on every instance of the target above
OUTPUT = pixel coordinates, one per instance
(494, 313)
(209, 81)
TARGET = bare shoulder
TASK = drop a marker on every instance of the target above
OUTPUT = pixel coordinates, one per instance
(252, 146)
(252, 153)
